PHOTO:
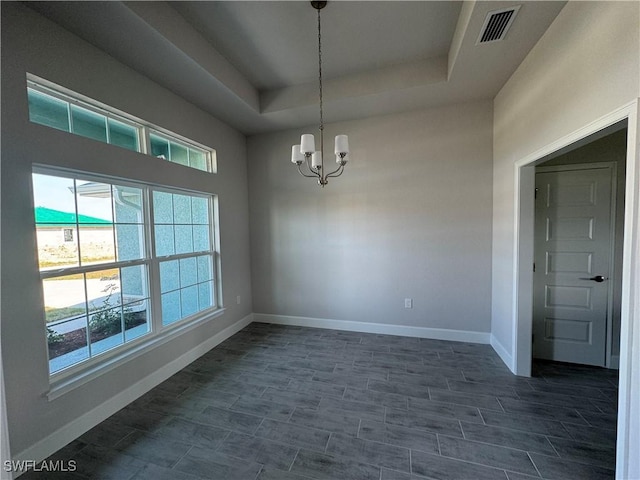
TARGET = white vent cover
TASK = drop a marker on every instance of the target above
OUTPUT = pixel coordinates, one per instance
(497, 24)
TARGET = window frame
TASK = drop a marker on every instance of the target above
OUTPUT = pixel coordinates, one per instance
(72, 376)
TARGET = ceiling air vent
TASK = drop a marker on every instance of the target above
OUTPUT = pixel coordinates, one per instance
(497, 24)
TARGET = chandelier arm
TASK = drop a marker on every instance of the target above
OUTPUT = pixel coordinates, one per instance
(304, 174)
(312, 169)
(339, 169)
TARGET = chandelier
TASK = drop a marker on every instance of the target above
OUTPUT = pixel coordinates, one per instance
(306, 152)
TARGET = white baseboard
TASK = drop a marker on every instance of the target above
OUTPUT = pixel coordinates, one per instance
(382, 328)
(82, 424)
(503, 353)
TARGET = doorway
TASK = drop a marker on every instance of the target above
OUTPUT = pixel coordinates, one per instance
(578, 234)
(520, 358)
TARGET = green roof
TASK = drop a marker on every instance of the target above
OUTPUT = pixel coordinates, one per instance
(48, 215)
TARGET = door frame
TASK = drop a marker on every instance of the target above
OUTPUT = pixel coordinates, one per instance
(612, 167)
(628, 438)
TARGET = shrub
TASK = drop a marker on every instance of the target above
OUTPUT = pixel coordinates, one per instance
(54, 337)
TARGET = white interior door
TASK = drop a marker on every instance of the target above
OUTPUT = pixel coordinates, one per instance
(573, 242)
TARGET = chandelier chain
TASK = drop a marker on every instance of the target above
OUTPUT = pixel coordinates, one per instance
(320, 82)
(306, 153)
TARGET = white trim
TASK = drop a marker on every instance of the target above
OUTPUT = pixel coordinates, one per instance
(628, 441)
(502, 352)
(382, 328)
(82, 424)
(120, 357)
(524, 173)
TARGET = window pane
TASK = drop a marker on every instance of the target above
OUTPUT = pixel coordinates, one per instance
(103, 289)
(89, 124)
(188, 272)
(197, 160)
(67, 343)
(164, 240)
(133, 281)
(96, 244)
(47, 110)
(54, 251)
(54, 199)
(55, 216)
(182, 208)
(204, 268)
(169, 276)
(170, 307)
(64, 298)
(159, 147)
(136, 320)
(127, 204)
(201, 238)
(205, 295)
(106, 330)
(189, 300)
(162, 207)
(66, 321)
(135, 301)
(200, 210)
(94, 202)
(184, 239)
(179, 154)
(129, 242)
(123, 135)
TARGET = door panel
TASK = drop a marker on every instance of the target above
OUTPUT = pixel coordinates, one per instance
(572, 245)
(569, 262)
(558, 296)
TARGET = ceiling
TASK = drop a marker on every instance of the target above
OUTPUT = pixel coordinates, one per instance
(254, 65)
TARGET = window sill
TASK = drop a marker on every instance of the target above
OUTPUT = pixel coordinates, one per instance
(74, 379)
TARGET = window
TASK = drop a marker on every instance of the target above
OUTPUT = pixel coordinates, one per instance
(62, 109)
(166, 148)
(67, 234)
(182, 233)
(51, 111)
(142, 261)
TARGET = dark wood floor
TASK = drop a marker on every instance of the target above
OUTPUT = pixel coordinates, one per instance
(285, 403)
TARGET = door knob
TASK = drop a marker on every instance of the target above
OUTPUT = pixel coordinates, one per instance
(598, 278)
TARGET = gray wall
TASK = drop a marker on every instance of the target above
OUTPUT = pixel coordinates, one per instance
(32, 44)
(612, 148)
(584, 67)
(410, 217)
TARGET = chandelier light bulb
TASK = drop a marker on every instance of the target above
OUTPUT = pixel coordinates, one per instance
(342, 144)
(307, 144)
(316, 159)
(296, 155)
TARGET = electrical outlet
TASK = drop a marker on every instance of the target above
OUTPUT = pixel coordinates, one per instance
(238, 299)
(408, 303)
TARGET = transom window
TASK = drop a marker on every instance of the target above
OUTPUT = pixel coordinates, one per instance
(133, 261)
(62, 109)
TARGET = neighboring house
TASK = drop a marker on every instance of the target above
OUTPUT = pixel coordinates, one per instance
(58, 231)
